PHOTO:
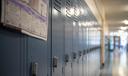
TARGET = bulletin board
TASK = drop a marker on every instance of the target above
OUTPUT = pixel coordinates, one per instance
(31, 16)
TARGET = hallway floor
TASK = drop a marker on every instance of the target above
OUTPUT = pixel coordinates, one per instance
(117, 64)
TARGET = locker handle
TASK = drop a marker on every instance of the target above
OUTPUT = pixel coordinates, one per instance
(66, 58)
(34, 68)
(80, 53)
(74, 55)
(55, 62)
(84, 52)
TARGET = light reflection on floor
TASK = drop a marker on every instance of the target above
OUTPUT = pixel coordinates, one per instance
(118, 65)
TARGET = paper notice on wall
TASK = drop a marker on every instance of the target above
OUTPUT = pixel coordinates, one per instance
(30, 16)
(44, 9)
(36, 5)
(25, 1)
(26, 20)
(12, 14)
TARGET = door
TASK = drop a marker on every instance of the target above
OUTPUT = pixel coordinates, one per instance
(116, 42)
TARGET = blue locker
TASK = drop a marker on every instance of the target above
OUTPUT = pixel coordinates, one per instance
(68, 45)
(85, 52)
(18, 51)
(37, 53)
(80, 56)
(75, 70)
(57, 38)
(12, 56)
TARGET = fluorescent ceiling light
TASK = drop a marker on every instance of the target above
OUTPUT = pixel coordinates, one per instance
(125, 22)
(123, 28)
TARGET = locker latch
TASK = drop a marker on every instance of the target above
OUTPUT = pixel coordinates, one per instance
(66, 58)
(80, 53)
(55, 62)
(84, 52)
(34, 68)
(74, 55)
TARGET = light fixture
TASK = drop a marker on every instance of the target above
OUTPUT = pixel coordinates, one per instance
(125, 22)
(123, 28)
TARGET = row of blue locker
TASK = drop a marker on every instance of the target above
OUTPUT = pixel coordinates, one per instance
(74, 38)
(72, 49)
(19, 51)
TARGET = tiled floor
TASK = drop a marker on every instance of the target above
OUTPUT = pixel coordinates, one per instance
(117, 64)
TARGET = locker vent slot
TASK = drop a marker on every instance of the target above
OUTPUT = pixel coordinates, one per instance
(69, 8)
(76, 10)
(57, 5)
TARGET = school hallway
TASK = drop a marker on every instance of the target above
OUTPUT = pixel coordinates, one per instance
(64, 38)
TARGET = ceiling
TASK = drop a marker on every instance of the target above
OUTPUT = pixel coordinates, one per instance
(116, 11)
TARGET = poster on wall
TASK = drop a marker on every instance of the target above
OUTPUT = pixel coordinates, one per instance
(31, 16)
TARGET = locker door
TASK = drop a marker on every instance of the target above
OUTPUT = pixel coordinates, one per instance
(68, 45)
(75, 61)
(80, 51)
(10, 53)
(85, 52)
(57, 38)
(90, 57)
(37, 54)
(75, 50)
